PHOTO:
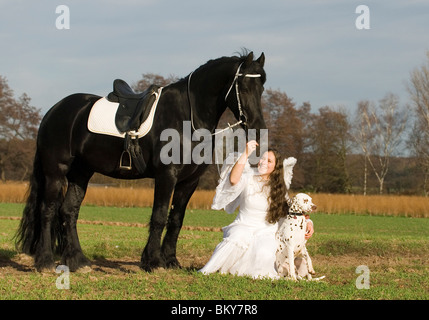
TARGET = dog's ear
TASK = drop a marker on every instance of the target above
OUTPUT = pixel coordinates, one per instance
(294, 206)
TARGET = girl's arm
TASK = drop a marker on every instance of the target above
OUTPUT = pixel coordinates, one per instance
(237, 169)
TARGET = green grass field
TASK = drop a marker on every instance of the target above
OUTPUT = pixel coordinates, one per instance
(395, 250)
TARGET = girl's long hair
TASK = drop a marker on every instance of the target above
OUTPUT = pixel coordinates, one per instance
(278, 206)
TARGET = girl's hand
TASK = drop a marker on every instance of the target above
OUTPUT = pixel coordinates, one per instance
(251, 146)
(310, 230)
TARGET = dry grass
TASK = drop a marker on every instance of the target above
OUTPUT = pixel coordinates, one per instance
(410, 206)
(13, 192)
(139, 197)
(391, 205)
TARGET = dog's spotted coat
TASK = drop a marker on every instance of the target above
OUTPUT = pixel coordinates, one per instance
(292, 258)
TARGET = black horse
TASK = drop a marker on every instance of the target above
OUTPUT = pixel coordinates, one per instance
(68, 154)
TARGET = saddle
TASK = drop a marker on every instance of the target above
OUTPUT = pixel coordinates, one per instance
(132, 110)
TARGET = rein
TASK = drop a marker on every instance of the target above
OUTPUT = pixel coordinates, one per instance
(242, 116)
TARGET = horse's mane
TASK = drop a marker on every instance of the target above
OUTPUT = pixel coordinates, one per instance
(220, 60)
(240, 57)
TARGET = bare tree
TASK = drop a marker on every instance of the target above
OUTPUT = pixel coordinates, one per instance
(362, 136)
(19, 122)
(380, 133)
(418, 89)
(152, 78)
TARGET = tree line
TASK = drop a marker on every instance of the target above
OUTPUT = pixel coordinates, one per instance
(19, 122)
(379, 147)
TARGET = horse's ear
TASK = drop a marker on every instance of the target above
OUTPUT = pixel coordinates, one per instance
(261, 60)
(249, 59)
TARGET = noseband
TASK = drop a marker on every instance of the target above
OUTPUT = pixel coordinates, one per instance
(242, 117)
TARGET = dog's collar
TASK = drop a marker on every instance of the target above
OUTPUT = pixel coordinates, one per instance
(296, 214)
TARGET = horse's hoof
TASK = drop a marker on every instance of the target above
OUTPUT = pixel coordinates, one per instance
(45, 266)
(149, 267)
(150, 264)
(76, 262)
(173, 264)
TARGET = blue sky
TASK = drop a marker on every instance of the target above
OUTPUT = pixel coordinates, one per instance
(314, 52)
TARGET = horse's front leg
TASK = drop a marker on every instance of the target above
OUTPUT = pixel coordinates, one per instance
(72, 256)
(151, 256)
(182, 194)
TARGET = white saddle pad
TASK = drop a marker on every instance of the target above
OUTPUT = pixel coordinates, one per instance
(101, 119)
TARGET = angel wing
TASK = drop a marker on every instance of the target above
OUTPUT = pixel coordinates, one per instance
(288, 165)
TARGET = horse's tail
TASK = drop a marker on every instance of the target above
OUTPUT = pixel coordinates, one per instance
(29, 230)
(30, 227)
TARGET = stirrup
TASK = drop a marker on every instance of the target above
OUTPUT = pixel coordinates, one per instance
(121, 165)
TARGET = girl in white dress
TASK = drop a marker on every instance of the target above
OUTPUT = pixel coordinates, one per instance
(249, 244)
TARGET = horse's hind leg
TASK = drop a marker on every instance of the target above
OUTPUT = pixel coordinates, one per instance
(43, 257)
(73, 256)
(182, 194)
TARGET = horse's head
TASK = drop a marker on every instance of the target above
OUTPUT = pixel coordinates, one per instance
(244, 95)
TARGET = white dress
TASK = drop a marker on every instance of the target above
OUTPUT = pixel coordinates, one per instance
(249, 244)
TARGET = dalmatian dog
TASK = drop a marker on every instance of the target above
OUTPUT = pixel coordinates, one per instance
(292, 258)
